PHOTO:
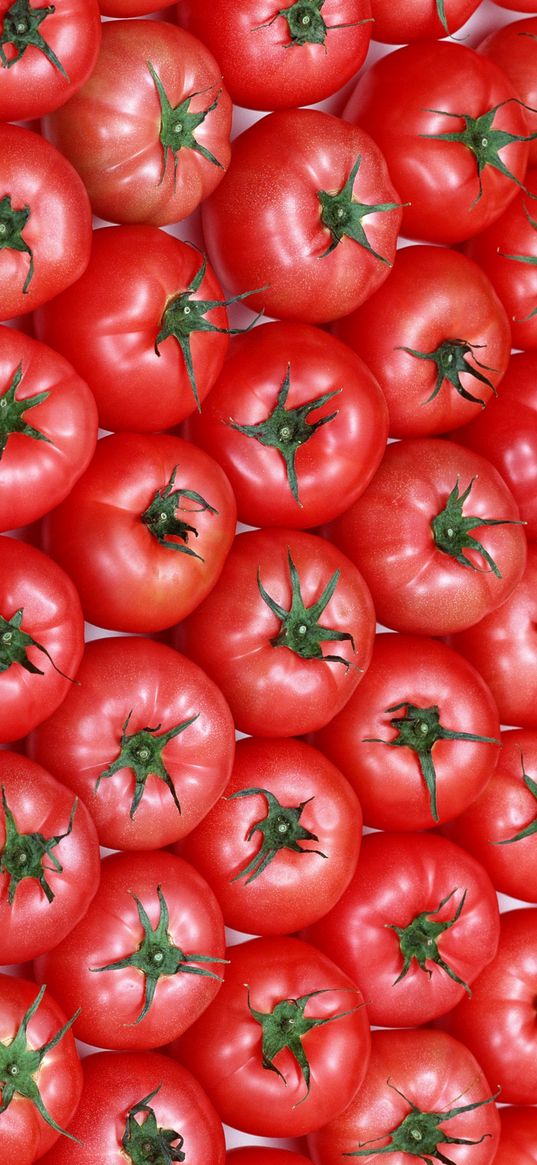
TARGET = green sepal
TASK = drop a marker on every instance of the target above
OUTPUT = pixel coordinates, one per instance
(306, 24)
(12, 412)
(178, 125)
(450, 359)
(12, 224)
(531, 829)
(161, 519)
(300, 630)
(23, 853)
(147, 1143)
(451, 530)
(141, 752)
(20, 28)
(280, 829)
(418, 941)
(342, 216)
(14, 644)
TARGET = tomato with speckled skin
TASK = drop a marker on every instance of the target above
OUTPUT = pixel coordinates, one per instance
(46, 54)
(410, 20)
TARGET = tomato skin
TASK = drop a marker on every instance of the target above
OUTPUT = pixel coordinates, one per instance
(410, 20)
(254, 241)
(108, 323)
(232, 641)
(439, 179)
(416, 586)
(433, 297)
(437, 1074)
(264, 1155)
(401, 875)
(262, 68)
(113, 1084)
(224, 1047)
(291, 891)
(334, 465)
(110, 129)
(112, 1000)
(159, 687)
(128, 580)
(34, 85)
(513, 48)
(518, 1139)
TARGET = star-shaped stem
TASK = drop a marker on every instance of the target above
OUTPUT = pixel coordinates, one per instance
(450, 359)
(178, 125)
(530, 829)
(12, 412)
(306, 24)
(419, 941)
(23, 853)
(451, 530)
(162, 521)
(157, 955)
(20, 28)
(141, 752)
(147, 1143)
(342, 216)
(14, 644)
(280, 829)
(286, 429)
(12, 224)
(300, 630)
(530, 259)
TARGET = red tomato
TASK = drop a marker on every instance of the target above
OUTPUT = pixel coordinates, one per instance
(517, 5)
(123, 328)
(256, 1050)
(40, 1071)
(415, 927)
(41, 637)
(145, 531)
(424, 1091)
(410, 20)
(436, 337)
(418, 739)
(513, 47)
(46, 53)
(437, 537)
(288, 655)
(145, 739)
(280, 846)
(139, 1103)
(297, 422)
(149, 131)
(264, 1155)
(279, 58)
(45, 222)
(48, 428)
(335, 248)
(445, 144)
(147, 957)
(518, 1139)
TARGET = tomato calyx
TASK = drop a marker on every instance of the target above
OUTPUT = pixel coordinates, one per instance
(419, 1133)
(300, 630)
(184, 315)
(286, 429)
(530, 259)
(141, 752)
(161, 516)
(530, 829)
(12, 224)
(147, 1143)
(418, 941)
(157, 955)
(23, 853)
(342, 216)
(451, 530)
(21, 29)
(450, 359)
(280, 829)
(419, 729)
(178, 124)
(286, 1025)
(306, 24)
(14, 644)
(484, 142)
(12, 412)
(19, 1064)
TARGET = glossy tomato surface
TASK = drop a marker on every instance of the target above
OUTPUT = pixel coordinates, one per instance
(513, 47)
(410, 20)
(45, 57)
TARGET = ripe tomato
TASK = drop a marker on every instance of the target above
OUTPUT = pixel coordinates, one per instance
(410, 20)
(145, 531)
(46, 53)
(513, 47)
(145, 739)
(335, 248)
(149, 131)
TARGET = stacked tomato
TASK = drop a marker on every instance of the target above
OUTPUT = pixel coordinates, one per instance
(268, 661)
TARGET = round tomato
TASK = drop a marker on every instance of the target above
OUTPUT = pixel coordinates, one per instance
(436, 535)
(335, 248)
(145, 531)
(145, 739)
(146, 958)
(513, 47)
(46, 54)
(518, 1138)
(410, 20)
(287, 633)
(149, 131)
(297, 422)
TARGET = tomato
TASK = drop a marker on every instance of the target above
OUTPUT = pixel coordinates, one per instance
(41, 637)
(439, 726)
(264, 1155)
(256, 1052)
(289, 627)
(145, 739)
(145, 531)
(48, 428)
(40, 1071)
(278, 58)
(423, 1091)
(138, 1106)
(417, 924)
(513, 47)
(503, 647)
(410, 20)
(297, 422)
(280, 846)
(135, 327)
(436, 535)
(506, 1048)
(335, 248)
(46, 53)
(517, 5)
(445, 145)
(436, 337)
(149, 131)
(45, 222)
(518, 1139)
(147, 957)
